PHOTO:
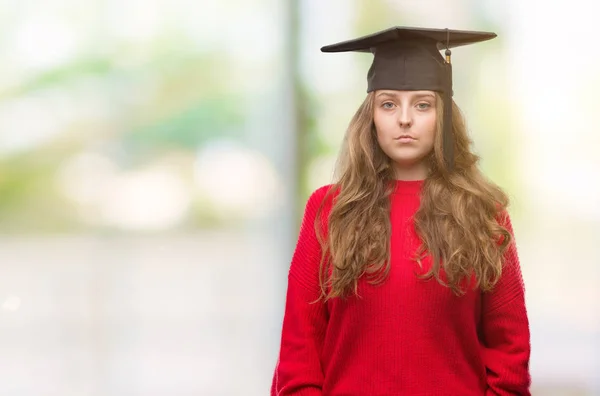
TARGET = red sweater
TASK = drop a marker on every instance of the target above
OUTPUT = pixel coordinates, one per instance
(405, 337)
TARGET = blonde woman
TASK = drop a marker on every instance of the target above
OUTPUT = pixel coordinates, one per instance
(405, 279)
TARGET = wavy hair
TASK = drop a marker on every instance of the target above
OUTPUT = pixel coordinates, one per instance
(457, 220)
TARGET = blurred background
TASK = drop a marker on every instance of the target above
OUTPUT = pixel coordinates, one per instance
(155, 158)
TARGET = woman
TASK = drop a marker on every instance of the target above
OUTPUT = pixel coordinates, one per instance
(405, 279)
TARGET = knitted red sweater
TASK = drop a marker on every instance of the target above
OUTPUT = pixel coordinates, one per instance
(406, 336)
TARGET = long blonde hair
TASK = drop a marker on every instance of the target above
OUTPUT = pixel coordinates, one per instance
(456, 221)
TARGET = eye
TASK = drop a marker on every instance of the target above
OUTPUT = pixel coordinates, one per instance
(423, 106)
(387, 105)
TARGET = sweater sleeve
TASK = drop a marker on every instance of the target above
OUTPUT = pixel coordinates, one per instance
(298, 371)
(505, 329)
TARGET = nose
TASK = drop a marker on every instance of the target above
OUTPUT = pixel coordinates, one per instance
(405, 118)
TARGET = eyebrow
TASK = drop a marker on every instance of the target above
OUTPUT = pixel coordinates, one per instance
(394, 95)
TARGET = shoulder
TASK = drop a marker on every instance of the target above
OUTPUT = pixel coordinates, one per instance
(323, 195)
(319, 205)
(503, 218)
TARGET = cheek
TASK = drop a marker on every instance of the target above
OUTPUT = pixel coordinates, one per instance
(429, 129)
(384, 127)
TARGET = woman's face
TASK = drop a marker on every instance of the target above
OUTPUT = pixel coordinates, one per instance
(406, 126)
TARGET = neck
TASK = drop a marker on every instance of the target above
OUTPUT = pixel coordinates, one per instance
(416, 171)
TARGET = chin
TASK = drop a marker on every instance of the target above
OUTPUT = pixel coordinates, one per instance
(408, 162)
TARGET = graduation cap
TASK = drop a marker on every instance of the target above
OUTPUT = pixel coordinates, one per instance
(409, 59)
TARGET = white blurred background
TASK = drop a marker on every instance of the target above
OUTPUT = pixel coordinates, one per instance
(155, 157)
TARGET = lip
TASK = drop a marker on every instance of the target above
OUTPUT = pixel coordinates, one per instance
(404, 138)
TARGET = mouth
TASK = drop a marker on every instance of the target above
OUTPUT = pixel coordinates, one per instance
(404, 137)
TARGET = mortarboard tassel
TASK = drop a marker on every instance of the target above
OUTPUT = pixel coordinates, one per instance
(448, 139)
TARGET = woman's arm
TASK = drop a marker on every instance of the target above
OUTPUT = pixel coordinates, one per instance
(298, 371)
(505, 326)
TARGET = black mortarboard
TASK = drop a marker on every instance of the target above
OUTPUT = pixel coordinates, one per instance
(409, 59)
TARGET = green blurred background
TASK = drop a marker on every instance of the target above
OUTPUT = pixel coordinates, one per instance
(155, 158)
